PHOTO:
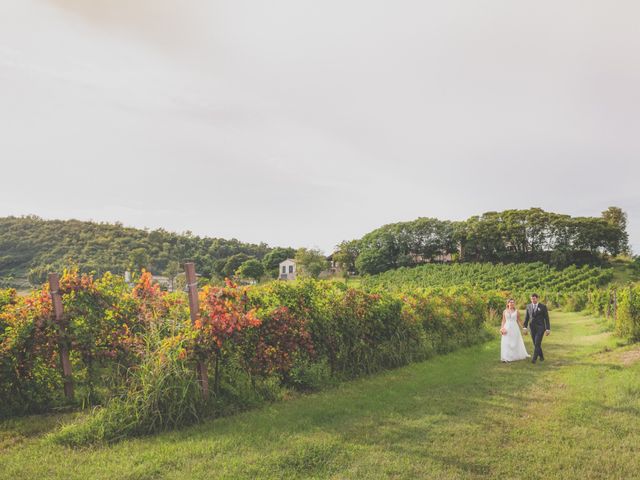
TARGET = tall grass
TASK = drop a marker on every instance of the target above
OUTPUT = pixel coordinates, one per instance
(163, 393)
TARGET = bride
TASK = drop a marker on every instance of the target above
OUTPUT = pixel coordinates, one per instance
(512, 346)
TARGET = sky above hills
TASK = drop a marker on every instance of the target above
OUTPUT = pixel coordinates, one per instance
(305, 123)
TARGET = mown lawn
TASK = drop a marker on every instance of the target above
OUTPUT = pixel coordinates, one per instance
(463, 415)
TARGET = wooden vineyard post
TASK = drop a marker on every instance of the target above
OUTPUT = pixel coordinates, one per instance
(194, 309)
(65, 362)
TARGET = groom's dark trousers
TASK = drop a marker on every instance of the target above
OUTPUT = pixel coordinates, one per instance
(537, 332)
(538, 318)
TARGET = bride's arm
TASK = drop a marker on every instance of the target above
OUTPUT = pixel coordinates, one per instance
(504, 319)
(518, 318)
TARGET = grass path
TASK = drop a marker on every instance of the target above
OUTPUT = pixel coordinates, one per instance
(463, 415)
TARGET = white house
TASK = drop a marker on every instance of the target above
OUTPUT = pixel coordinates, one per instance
(287, 269)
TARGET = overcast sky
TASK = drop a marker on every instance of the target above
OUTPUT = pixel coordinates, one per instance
(304, 123)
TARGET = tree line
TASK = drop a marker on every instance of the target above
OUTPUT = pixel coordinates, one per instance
(30, 247)
(507, 236)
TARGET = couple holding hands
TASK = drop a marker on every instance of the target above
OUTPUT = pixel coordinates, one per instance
(536, 320)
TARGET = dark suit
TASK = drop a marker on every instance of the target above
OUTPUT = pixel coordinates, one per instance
(538, 316)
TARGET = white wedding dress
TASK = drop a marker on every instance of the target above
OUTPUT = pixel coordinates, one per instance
(512, 347)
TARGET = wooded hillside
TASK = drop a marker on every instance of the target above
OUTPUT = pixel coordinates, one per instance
(31, 246)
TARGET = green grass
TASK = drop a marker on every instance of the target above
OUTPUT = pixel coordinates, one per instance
(623, 271)
(463, 415)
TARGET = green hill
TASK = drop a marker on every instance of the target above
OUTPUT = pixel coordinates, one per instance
(31, 246)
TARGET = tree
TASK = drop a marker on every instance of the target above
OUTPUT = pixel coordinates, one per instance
(346, 254)
(251, 269)
(378, 252)
(310, 262)
(372, 261)
(481, 239)
(271, 260)
(138, 259)
(429, 238)
(172, 270)
(617, 218)
(233, 263)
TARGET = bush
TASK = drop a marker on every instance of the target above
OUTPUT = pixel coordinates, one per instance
(373, 334)
(136, 350)
(600, 302)
(628, 319)
(358, 332)
(311, 376)
(8, 297)
(29, 380)
(576, 301)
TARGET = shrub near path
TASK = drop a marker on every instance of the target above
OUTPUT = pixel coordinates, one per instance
(462, 415)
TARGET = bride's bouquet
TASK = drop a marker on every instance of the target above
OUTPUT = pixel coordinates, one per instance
(503, 331)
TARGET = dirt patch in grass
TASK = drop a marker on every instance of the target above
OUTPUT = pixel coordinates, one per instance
(626, 356)
(630, 357)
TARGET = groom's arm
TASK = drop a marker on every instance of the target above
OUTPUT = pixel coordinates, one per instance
(526, 319)
(547, 324)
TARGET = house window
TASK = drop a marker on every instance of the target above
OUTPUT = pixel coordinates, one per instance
(290, 268)
(284, 269)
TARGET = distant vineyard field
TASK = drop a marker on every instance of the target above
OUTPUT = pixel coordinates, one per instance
(522, 277)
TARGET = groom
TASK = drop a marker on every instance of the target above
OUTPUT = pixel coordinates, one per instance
(538, 315)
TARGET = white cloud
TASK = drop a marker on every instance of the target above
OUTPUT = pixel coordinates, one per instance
(306, 123)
